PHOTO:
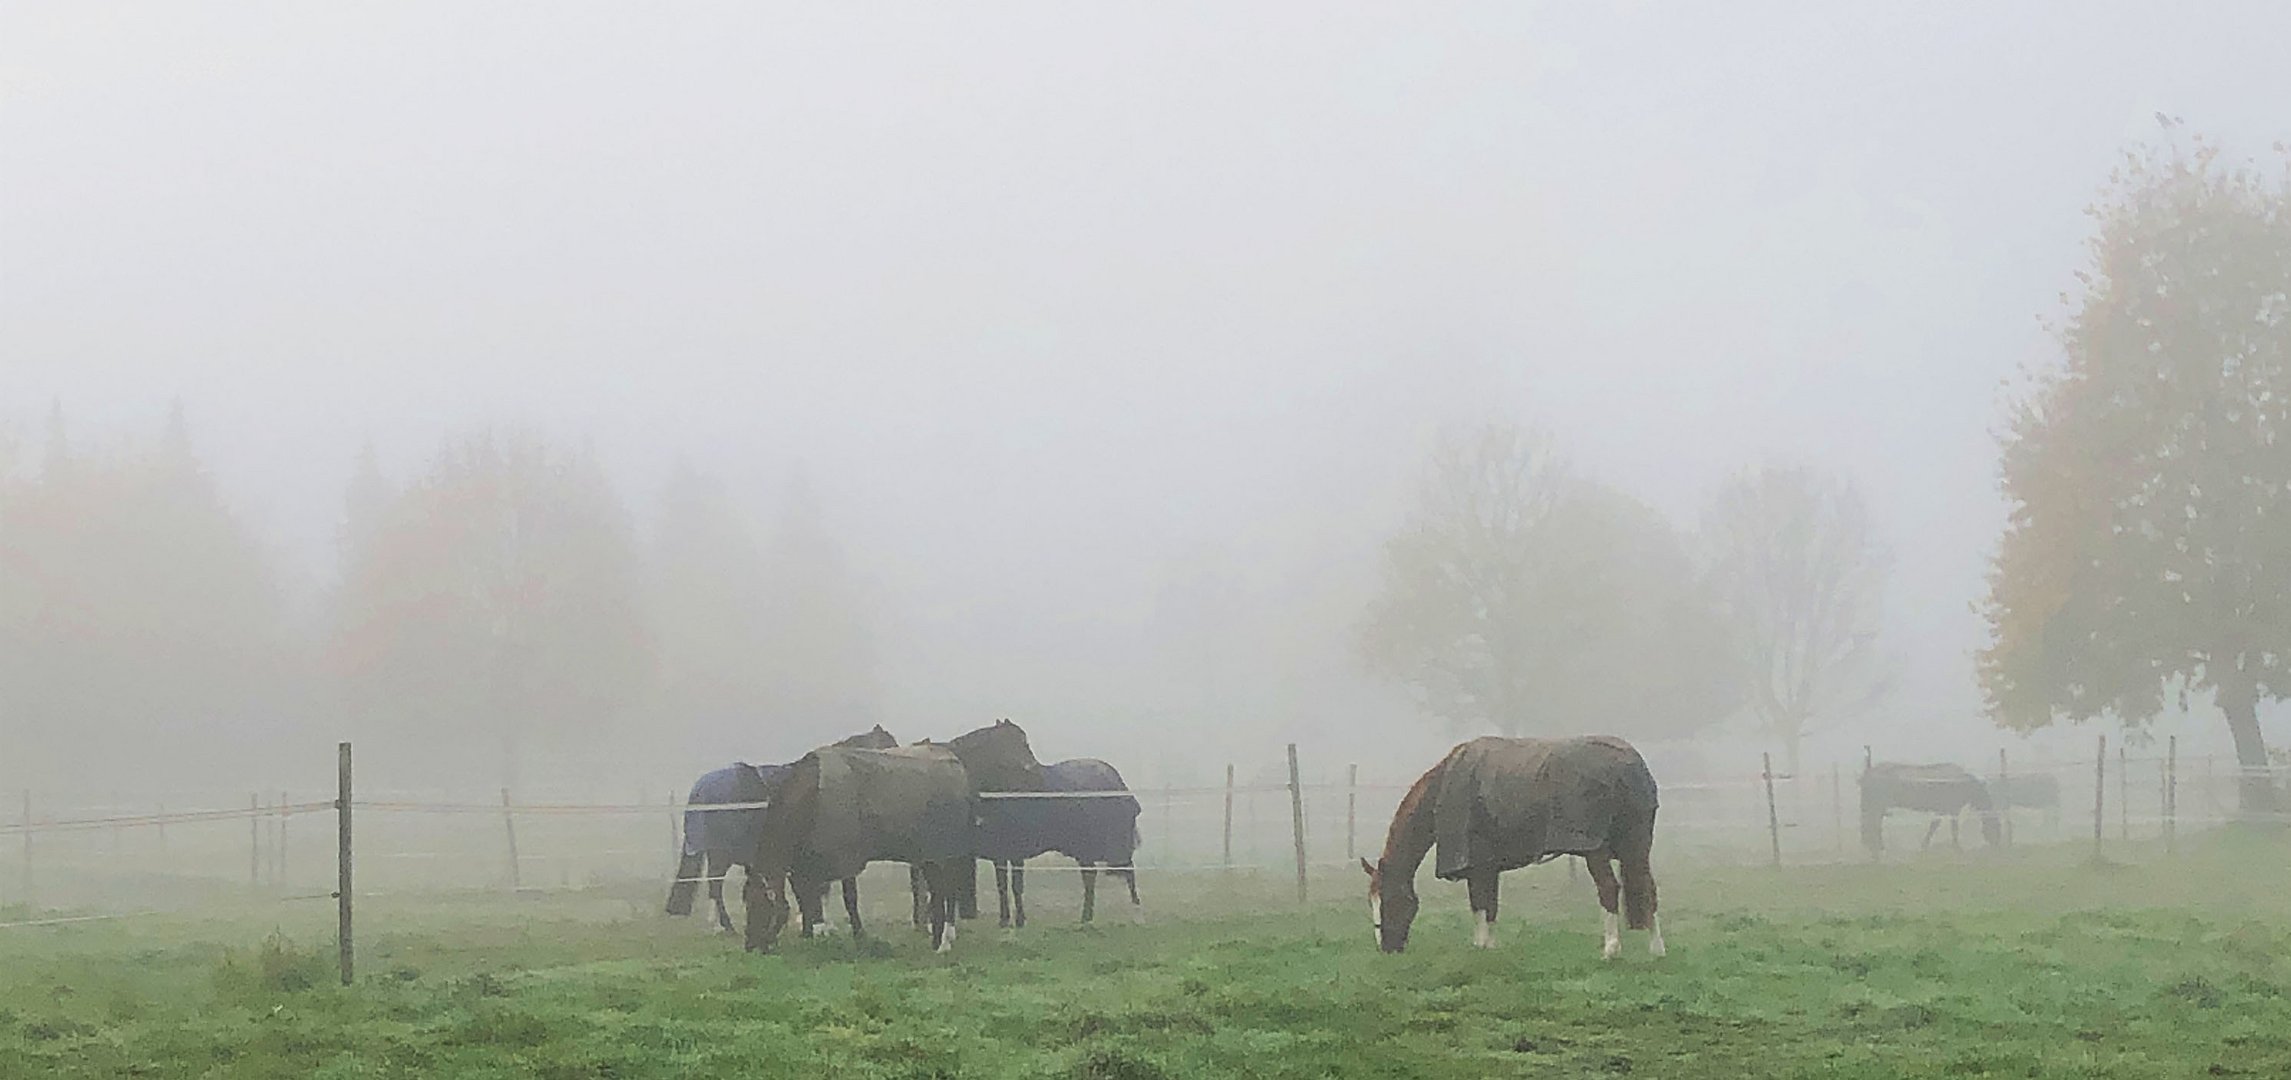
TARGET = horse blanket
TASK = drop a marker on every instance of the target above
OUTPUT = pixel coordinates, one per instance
(729, 830)
(1507, 803)
(910, 804)
(1088, 830)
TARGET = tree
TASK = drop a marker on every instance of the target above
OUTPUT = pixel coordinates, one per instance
(140, 621)
(1520, 597)
(496, 601)
(818, 662)
(708, 603)
(1798, 577)
(2149, 541)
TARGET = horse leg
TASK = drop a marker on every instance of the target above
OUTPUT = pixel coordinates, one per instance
(1130, 874)
(918, 885)
(942, 879)
(966, 888)
(851, 906)
(1089, 892)
(808, 901)
(1018, 891)
(1639, 893)
(718, 867)
(1930, 829)
(1482, 885)
(1954, 841)
(1610, 890)
(1002, 893)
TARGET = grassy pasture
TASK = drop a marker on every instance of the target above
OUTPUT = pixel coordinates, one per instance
(1946, 965)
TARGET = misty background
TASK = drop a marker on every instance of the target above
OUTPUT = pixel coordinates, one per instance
(1104, 346)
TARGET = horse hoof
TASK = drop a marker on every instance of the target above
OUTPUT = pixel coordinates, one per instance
(1655, 949)
(1611, 950)
(824, 930)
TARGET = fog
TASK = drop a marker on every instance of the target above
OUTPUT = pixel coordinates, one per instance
(1059, 309)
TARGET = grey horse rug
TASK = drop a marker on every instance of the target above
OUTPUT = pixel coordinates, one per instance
(1507, 803)
(909, 804)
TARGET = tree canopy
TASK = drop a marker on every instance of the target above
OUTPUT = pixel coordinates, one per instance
(2149, 543)
(1522, 598)
(493, 604)
(1799, 577)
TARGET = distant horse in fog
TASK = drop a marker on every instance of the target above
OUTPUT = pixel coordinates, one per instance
(1942, 790)
(717, 840)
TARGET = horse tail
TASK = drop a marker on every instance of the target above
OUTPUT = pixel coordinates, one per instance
(1638, 873)
(687, 884)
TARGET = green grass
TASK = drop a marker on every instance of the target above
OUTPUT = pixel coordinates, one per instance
(2036, 965)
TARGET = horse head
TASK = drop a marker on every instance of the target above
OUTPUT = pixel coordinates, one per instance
(766, 897)
(999, 758)
(1390, 911)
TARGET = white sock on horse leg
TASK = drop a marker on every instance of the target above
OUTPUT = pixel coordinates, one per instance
(1612, 945)
(1655, 939)
(1483, 930)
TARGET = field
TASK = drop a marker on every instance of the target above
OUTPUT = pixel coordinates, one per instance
(2039, 964)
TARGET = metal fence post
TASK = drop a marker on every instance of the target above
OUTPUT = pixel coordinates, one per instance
(254, 840)
(2100, 790)
(1297, 820)
(2123, 795)
(342, 859)
(27, 819)
(1837, 811)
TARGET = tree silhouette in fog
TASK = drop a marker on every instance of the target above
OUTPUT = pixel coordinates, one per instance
(1522, 598)
(705, 581)
(491, 607)
(140, 622)
(2149, 542)
(1798, 576)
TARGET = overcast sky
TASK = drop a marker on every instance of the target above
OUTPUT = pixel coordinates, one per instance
(1050, 297)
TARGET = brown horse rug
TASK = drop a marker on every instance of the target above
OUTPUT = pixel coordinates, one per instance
(1507, 803)
(908, 804)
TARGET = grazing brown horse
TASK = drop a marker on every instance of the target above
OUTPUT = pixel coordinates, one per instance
(1496, 804)
(842, 808)
(717, 840)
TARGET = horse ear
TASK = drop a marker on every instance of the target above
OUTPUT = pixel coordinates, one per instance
(1367, 867)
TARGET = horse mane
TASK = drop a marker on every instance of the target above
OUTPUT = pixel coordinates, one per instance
(1410, 836)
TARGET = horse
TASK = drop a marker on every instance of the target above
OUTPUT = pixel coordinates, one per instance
(1093, 832)
(997, 757)
(1942, 790)
(841, 808)
(717, 840)
(1495, 804)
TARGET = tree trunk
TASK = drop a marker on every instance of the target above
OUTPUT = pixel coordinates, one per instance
(2257, 791)
(1792, 735)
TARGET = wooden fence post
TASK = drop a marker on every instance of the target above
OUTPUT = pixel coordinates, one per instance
(2005, 792)
(254, 840)
(509, 827)
(1837, 810)
(2123, 795)
(278, 870)
(27, 820)
(1297, 820)
(342, 859)
(2172, 795)
(1773, 822)
(1351, 809)
(1228, 816)
(2100, 790)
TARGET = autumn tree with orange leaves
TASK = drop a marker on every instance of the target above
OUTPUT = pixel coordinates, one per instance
(2149, 472)
(491, 607)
